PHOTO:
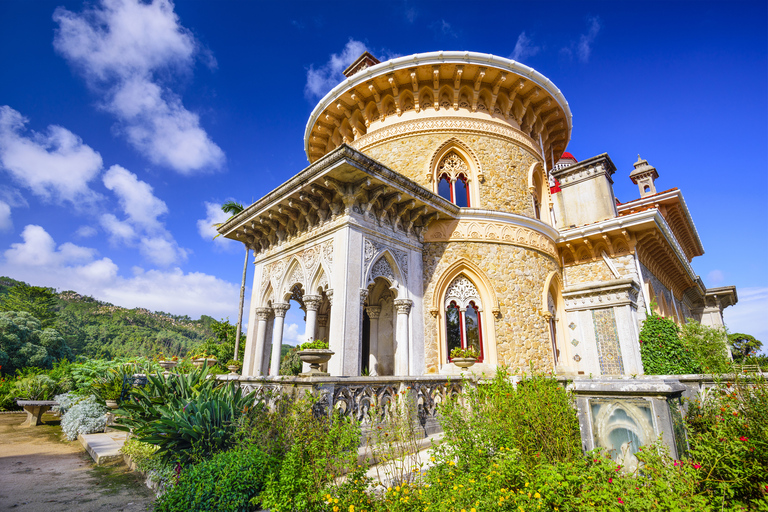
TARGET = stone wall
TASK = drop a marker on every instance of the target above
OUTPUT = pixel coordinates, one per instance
(518, 275)
(589, 272)
(504, 164)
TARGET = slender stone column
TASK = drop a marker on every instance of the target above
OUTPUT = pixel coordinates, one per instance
(312, 303)
(403, 307)
(256, 359)
(279, 309)
(322, 327)
(373, 338)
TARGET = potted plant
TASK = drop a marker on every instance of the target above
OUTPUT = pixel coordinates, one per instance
(167, 363)
(464, 357)
(233, 366)
(202, 358)
(315, 353)
(110, 391)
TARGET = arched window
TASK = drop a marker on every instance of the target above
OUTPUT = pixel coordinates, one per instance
(454, 180)
(463, 313)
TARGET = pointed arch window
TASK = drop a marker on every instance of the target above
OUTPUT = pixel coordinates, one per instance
(463, 316)
(453, 182)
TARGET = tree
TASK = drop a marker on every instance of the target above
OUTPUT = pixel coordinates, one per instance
(23, 343)
(233, 208)
(38, 301)
(743, 346)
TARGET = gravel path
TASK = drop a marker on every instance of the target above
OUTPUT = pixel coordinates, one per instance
(41, 472)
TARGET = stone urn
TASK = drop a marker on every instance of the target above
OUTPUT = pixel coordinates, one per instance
(233, 368)
(112, 404)
(464, 362)
(315, 357)
(168, 365)
(203, 360)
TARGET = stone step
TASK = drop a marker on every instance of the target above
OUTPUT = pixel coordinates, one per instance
(104, 448)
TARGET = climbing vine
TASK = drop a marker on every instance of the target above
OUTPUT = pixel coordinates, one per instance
(662, 350)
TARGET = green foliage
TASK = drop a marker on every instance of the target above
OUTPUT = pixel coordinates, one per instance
(222, 345)
(189, 417)
(109, 386)
(319, 449)
(729, 438)
(461, 353)
(314, 345)
(291, 363)
(662, 350)
(35, 387)
(23, 342)
(37, 301)
(743, 346)
(707, 345)
(536, 417)
(228, 481)
(144, 456)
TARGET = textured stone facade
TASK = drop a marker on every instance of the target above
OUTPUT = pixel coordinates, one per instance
(504, 164)
(518, 276)
(589, 272)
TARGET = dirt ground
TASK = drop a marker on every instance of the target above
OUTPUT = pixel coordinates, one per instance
(42, 472)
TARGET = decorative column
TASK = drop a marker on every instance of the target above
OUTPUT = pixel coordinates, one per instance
(373, 337)
(256, 359)
(322, 327)
(279, 309)
(312, 304)
(403, 307)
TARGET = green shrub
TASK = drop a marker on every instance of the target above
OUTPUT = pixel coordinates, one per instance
(144, 455)
(708, 346)
(291, 363)
(661, 349)
(35, 387)
(314, 345)
(319, 449)
(228, 481)
(189, 417)
(728, 434)
(536, 417)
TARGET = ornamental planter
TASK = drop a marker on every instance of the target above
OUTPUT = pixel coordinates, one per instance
(112, 404)
(463, 362)
(200, 362)
(233, 368)
(168, 365)
(315, 357)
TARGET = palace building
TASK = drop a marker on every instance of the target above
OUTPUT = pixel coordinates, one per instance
(440, 210)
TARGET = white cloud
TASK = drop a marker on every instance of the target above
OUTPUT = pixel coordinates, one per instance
(37, 260)
(136, 198)
(294, 335)
(584, 48)
(6, 224)
(326, 77)
(122, 47)
(213, 215)
(141, 226)
(715, 276)
(86, 232)
(748, 316)
(54, 165)
(524, 48)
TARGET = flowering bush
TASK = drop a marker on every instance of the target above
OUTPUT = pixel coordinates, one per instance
(84, 417)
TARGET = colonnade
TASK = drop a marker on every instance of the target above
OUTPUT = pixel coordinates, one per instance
(318, 325)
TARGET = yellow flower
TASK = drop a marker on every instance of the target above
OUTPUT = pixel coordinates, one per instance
(397, 488)
(526, 484)
(455, 488)
(537, 495)
(335, 500)
(351, 508)
(335, 509)
(472, 510)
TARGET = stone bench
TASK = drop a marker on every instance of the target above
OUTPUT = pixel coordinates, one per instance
(35, 410)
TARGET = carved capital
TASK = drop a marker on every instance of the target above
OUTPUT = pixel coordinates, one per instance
(403, 306)
(329, 294)
(280, 308)
(373, 312)
(312, 302)
(363, 295)
(263, 313)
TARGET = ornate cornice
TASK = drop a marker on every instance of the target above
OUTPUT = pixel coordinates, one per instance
(495, 227)
(619, 292)
(445, 125)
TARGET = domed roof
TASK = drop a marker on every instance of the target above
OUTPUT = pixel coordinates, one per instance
(568, 156)
(502, 91)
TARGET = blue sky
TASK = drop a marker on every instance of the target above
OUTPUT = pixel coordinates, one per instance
(125, 125)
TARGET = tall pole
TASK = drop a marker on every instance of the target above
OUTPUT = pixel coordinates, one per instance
(242, 300)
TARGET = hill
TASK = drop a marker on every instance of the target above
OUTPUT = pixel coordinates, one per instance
(97, 329)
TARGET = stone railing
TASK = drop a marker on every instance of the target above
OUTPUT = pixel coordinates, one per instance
(365, 399)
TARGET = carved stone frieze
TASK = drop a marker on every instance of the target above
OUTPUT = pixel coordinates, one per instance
(383, 269)
(489, 231)
(373, 248)
(445, 124)
(613, 293)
